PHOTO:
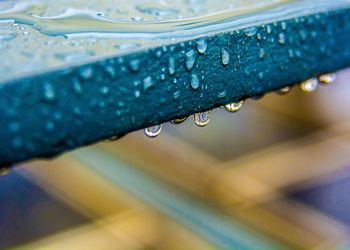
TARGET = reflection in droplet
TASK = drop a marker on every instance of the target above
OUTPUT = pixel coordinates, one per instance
(202, 119)
(309, 86)
(327, 78)
(153, 131)
(234, 107)
(179, 120)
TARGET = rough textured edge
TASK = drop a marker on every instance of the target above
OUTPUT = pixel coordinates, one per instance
(45, 115)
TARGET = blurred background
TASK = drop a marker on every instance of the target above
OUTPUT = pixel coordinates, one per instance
(276, 175)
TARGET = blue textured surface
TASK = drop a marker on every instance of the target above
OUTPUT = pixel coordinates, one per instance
(47, 114)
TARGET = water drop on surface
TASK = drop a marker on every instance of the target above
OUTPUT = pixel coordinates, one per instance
(49, 92)
(86, 73)
(225, 57)
(153, 131)
(147, 83)
(190, 59)
(202, 119)
(202, 46)
(134, 65)
(327, 78)
(171, 66)
(234, 107)
(309, 86)
(177, 95)
(194, 82)
(251, 31)
(281, 38)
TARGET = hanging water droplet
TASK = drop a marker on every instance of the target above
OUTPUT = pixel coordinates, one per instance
(190, 59)
(309, 86)
(284, 91)
(153, 131)
(194, 82)
(202, 46)
(225, 57)
(251, 31)
(179, 120)
(234, 107)
(202, 119)
(327, 78)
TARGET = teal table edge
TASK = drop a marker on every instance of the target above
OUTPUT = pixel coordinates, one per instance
(47, 114)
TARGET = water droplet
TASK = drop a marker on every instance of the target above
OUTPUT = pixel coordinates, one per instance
(327, 78)
(171, 66)
(50, 126)
(49, 92)
(309, 86)
(222, 94)
(202, 119)
(194, 82)
(86, 73)
(177, 95)
(134, 65)
(104, 90)
(234, 107)
(251, 31)
(153, 131)
(190, 59)
(76, 86)
(137, 93)
(284, 25)
(281, 38)
(284, 91)
(225, 57)
(268, 29)
(179, 120)
(262, 53)
(147, 83)
(202, 46)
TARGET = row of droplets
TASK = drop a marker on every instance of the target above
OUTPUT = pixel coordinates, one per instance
(202, 119)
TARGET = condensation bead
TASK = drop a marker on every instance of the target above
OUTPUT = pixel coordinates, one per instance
(202, 119)
(309, 86)
(153, 131)
(234, 107)
(327, 78)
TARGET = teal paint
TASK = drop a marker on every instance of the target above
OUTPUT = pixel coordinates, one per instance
(47, 114)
